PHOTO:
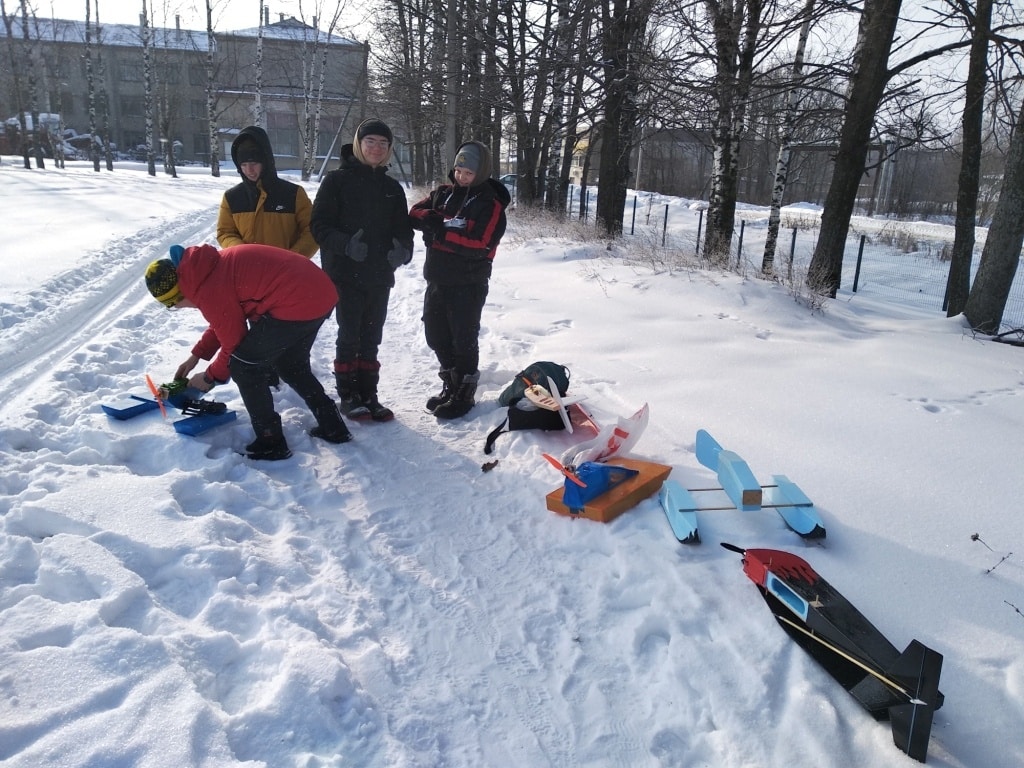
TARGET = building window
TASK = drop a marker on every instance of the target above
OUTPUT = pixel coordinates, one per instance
(201, 147)
(329, 125)
(131, 72)
(196, 74)
(283, 133)
(133, 106)
(169, 74)
(198, 109)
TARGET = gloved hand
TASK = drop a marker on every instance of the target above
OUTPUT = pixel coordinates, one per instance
(432, 222)
(399, 254)
(356, 248)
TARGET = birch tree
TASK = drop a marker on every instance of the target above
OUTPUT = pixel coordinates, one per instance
(103, 97)
(785, 149)
(736, 25)
(257, 103)
(211, 93)
(314, 78)
(147, 84)
(90, 80)
(36, 131)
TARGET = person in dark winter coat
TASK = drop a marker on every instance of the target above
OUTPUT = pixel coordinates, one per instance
(265, 306)
(462, 224)
(263, 208)
(361, 221)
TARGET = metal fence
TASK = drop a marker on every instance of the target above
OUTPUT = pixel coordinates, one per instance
(907, 262)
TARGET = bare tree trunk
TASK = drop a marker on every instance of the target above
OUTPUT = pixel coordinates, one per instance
(1002, 252)
(104, 98)
(211, 99)
(16, 96)
(868, 80)
(736, 29)
(91, 87)
(453, 65)
(147, 77)
(573, 118)
(257, 99)
(624, 30)
(958, 283)
(491, 91)
(785, 150)
(585, 173)
(33, 95)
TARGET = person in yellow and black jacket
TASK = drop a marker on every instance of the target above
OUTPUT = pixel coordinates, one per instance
(263, 208)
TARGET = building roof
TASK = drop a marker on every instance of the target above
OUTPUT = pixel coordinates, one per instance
(130, 35)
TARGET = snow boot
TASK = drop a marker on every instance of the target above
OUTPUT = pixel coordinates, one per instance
(329, 424)
(461, 401)
(348, 393)
(269, 444)
(445, 374)
(367, 378)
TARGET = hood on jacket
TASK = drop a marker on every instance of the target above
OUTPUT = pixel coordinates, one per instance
(501, 193)
(478, 150)
(372, 127)
(259, 137)
(197, 262)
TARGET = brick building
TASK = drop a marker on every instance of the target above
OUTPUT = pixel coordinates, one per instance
(290, 51)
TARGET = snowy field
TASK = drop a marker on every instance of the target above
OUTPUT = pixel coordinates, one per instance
(387, 604)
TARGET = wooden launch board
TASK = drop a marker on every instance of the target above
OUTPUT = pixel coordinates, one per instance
(623, 497)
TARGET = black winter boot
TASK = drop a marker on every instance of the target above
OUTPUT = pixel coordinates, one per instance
(367, 379)
(329, 424)
(445, 374)
(461, 401)
(269, 444)
(348, 392)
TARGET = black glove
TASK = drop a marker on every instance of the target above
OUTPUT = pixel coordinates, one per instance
(399, 254)
(432, 222)
(356, 248)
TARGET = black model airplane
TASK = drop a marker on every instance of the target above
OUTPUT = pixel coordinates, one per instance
(900, 687)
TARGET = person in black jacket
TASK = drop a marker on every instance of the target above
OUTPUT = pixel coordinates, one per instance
(361, 222)
(462, 224)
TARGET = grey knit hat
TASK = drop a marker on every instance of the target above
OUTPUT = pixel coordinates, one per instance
(468, 158)
(476, 157)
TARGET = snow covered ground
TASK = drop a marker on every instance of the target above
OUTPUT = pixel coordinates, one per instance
(166, 602)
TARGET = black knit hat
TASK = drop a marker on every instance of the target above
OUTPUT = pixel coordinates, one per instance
(374, 127)
(249, 152)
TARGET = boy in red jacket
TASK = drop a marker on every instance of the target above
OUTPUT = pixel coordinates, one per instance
(265, 306)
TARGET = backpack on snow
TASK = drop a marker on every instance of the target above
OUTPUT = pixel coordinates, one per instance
(536, 373)
(522, 414)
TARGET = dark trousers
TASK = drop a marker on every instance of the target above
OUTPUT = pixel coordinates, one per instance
(451, 322)
(361, 313)
(282, 346)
